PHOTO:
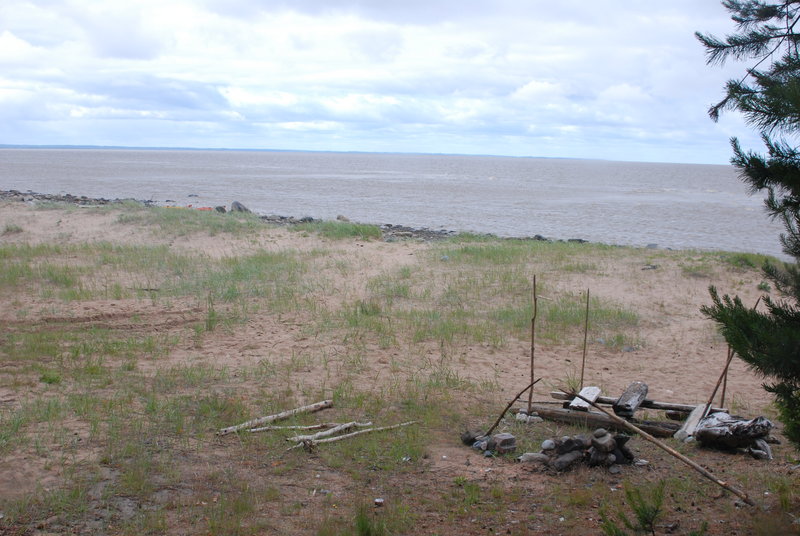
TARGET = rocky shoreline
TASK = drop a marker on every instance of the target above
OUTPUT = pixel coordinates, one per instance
(391, 232)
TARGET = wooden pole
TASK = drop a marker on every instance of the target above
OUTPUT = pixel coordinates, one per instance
(724, 384)
(533, 341)
(739, 493)
(585, 336)
(500, 418)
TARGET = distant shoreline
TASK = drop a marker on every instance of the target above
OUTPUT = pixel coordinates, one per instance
(391, 232)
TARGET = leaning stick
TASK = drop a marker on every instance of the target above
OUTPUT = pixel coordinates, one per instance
(309, 427)
(741, 494)
(311, 444)
(500, 418)
(277, 417)
(722, 377)
(333, 431)
(533, 341)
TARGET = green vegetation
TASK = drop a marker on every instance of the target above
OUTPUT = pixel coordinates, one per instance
(768, 97)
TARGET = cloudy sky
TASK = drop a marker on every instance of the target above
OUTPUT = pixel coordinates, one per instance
(620, 80)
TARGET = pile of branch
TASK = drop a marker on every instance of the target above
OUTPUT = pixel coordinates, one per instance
(309, 442)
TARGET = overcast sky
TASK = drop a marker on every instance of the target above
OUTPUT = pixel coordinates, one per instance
(620, 80)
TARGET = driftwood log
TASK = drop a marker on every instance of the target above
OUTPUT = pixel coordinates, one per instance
(594, 419)
(723, 431)
(630, 400)
(646, 403)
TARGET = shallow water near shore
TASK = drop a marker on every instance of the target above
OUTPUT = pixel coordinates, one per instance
(672, 205)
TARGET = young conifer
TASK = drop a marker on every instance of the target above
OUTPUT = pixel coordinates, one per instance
(768, 95)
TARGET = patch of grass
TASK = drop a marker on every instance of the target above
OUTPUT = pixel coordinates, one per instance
(182, 222)
(11, 228)
(341, 230)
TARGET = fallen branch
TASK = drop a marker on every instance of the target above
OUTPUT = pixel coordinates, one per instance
(277, 417)
(739, 493)
(309, 445)
(333, 431)
(309, 427)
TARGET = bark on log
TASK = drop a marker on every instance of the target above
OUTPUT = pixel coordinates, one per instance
(278, 416)
(723, 431)
(595, 420)
(647, 403)
(630, 400)
(587, 393)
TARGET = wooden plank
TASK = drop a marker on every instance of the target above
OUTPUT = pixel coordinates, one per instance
(594, 419)
(646, 403)
(590, 393)
(691, 422)
(630, 400)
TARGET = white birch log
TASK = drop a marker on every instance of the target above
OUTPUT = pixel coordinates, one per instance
(312, 444)
(327, 433)
(277, 417)
(309, 427)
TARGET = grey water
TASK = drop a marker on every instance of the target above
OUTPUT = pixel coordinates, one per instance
(679, 206)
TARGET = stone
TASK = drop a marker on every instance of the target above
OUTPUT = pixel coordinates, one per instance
(238, 207)
(548, 444)
(600, 432)
(220, 209)
(615, 469)
(569, 445)
(342, 218)
(604, 443)
(539, 457)
(468, 437)
(504, 443)
(584, 439)
(565, 461)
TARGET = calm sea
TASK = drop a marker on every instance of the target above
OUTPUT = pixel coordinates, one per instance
(672, 205)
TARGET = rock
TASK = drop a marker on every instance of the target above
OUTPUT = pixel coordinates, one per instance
(564, 461)
(238, 207)
(220, 209)
(569, 445)
(468, 437)
(535, 457)
(548, 444)
(600, 432)
(306, 219)
(504, 443)
(604, 443)
(615, 469)
(652, 246)
(342, 218)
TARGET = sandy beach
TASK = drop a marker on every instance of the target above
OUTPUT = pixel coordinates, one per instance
(390, 330)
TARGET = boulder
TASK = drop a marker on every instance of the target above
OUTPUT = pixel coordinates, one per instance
(238, 207)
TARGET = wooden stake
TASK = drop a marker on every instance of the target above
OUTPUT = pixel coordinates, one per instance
(533, 341)
(277, 417)
(739, 493)
(311, 444)
(500, 418)
(719, 381)
(585, 336)
(724, 383)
